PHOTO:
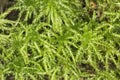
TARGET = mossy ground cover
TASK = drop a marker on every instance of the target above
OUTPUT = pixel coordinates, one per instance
(60, 40)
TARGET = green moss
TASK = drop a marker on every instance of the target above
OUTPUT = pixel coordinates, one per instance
(60, 40)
